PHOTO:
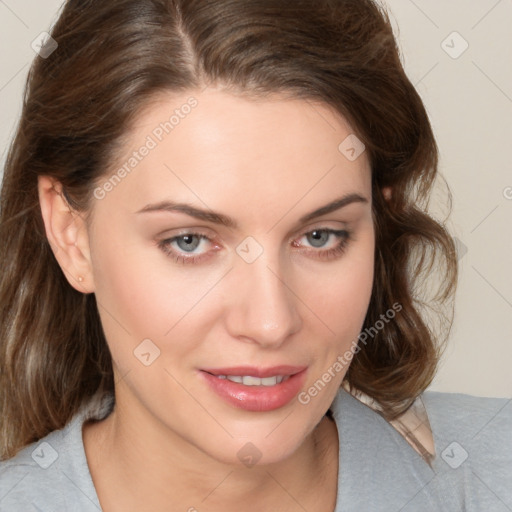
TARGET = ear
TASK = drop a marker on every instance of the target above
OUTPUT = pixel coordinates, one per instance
(66, 231)
(387, 192)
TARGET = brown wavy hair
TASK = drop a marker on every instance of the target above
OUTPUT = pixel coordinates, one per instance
(112, 58)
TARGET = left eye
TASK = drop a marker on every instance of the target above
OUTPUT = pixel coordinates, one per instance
(182, 247)
(190, 241)
(319, 237)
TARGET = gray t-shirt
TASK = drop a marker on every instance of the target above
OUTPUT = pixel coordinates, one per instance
(379, 471)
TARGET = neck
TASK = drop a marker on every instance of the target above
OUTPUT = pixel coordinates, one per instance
(157, 468)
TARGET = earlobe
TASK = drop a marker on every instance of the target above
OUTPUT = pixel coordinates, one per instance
(67, 235)
(387, 193)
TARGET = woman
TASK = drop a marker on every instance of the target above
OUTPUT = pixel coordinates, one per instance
(210, 294)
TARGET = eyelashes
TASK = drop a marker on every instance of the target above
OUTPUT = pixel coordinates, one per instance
(193, 240)
(180, 257)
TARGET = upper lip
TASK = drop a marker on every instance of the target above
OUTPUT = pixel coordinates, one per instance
(254, 371)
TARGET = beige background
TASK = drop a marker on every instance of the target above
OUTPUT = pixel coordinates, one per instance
(468, 95)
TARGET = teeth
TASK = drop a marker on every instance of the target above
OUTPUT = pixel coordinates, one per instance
(249, 380)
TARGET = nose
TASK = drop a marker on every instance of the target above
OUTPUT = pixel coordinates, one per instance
(263, 306)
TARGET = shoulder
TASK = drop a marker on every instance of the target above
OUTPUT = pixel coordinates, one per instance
(462, 405)
(473, 439)
(52, 473)
(47, 473)
(450, 415)
(482, 425)
(472, 420)
(471, 469)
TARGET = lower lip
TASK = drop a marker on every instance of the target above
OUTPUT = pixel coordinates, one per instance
(257, 398)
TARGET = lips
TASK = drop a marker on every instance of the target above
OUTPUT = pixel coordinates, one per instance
(256, 389)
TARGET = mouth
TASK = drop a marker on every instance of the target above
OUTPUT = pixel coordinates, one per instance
(256, 389)
(249, 380)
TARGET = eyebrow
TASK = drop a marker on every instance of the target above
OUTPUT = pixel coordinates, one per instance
(225, 220)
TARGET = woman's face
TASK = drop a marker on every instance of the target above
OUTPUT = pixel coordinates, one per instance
(246, 280)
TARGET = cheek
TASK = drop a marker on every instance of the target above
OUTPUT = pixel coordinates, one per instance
(342, 307)
(130, 300)
(143, 295)
(343, 300)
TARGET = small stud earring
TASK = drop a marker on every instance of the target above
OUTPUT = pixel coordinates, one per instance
(80, 278)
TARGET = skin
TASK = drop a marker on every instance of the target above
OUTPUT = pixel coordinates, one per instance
(171, 443)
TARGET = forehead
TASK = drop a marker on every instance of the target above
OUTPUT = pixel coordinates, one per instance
(213, 148)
